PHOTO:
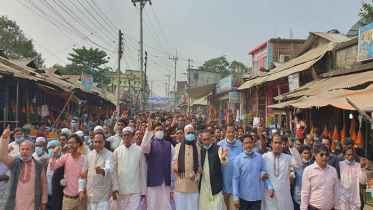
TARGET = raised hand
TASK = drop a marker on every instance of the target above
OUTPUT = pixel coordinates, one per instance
(6, 134)
(150, 123)
(290, 143)
(363, 162)
(99, 170)
(174, 122)
(124, 115)
(56, 151)
(115, 113)
(224, 153)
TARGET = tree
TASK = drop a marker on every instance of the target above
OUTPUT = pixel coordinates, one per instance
(366, 13)
(15, 44)
(88, 61)
(238, 68)
(219, 64)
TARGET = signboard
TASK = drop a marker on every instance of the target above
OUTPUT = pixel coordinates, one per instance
(234, 97)
(87, 82)
(293, 82)
(224, 84)
(158, 100)
(365, 51)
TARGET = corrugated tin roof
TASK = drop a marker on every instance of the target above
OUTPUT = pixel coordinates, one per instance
(326, 85)
(333, 37)
(297, 64)
(202, 91)
(201, 101)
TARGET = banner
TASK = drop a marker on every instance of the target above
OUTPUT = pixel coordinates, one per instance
(293, 82)
(234, 97)
(158, 100)
(365, 51)
(224, 84)
(87, 82)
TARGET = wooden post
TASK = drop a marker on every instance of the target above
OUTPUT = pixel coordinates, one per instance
(360, 111)
(27, 106)
(67, 104)
(279, 101)
(313, 73)
(17, 103)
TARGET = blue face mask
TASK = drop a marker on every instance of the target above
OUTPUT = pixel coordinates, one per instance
(73, 125)
(91, 140)
(119, 134)
(248, 153)
(316, 139)
(305, 161)
(38, 150)
(349, 163)
(200, 144)
(50, 152)
(25, 160)
(107, 135)
(190, 137)
(20, 139)
(207, 147)
(86, 138)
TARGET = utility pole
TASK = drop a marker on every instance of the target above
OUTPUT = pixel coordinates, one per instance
(120, 52)
(146, 82)
(189, 84)
(175, 58)
(142, 77)
(151, 90)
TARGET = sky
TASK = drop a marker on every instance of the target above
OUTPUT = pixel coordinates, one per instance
(197, 30)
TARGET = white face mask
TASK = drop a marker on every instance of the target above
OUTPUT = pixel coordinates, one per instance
(231, 141)
(159, 135)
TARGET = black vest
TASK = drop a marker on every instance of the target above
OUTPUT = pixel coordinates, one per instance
(216, 178)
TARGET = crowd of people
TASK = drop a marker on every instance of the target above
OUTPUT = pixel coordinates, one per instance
(117, 162)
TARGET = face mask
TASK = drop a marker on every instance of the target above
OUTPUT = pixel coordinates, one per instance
(19, 139)
(26, 159)
(200, 144)
(190, 137)
(73, 125)
(86, 138)
(305, 161)
(50, 152)
(248, 153)
(119, 134)
(64, 146)
(231, 141)
(38, 150)
(349, 163)
(91, 140)
(107, 135)
(159, 135)
(296, 119)
(207, 147)
(316, 139)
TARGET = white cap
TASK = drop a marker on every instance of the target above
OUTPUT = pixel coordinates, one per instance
(65, 131)
(127, 129)
(98, 128)
(41, 139)
(79, 133)
(188, 126)
(274, 130)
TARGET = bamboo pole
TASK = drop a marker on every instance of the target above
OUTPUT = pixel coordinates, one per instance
(360, 111)
(17, 103)
(72, 94)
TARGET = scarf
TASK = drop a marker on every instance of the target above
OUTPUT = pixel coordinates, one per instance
(181, 158)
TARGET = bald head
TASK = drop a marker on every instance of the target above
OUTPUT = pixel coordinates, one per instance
(27, 143)
(309, 140)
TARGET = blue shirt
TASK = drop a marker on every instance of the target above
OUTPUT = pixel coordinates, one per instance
(298, 183)
(247, 177)
(227, 170)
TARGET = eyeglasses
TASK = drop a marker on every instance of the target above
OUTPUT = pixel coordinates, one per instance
(324, 154)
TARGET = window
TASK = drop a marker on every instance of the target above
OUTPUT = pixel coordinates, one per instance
(256, 68)
(265, 62)
(135, 82)
(120, 82)
(195, 75)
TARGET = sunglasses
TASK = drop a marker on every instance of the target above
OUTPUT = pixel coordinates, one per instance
(190, 133)
(324, 154)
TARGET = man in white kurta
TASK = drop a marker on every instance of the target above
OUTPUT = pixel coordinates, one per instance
(97, 175)
(278, 168)
(207, 199)
(158, 196)
(129, 174)
(352, 173)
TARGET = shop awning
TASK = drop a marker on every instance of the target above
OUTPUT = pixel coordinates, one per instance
(202, 91)
(295, 65)
(283, 105)
(362, 98)
(200, 102)
(328, 84)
